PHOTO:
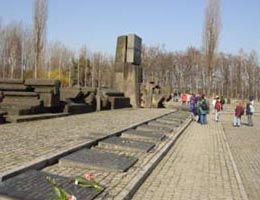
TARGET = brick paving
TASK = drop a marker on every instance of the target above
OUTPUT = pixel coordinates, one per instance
(198, 167)
(21, 143)
(244, 144)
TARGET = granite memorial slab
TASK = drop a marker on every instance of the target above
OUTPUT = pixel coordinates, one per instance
(137, 134)
(118, 143)
(147, 127)
(161, 124)
(171, 122)
(91, 158)
(33, 185)
(174, 118)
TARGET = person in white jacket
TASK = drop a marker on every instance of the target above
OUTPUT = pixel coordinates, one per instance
(249, 112)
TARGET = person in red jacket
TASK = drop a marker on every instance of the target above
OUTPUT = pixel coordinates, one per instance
(217, 108)
(239, 111)
(184, 98)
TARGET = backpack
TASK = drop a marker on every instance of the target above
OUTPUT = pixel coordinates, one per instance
(204, 105)
(218, 106)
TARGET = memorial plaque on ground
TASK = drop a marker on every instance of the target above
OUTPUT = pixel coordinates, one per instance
(171, 122)
(91, 158)
(135, 134)
(184, 114)
(156, 123)
(174, 118)
(147, 127)
(33, 185)
(118, 143)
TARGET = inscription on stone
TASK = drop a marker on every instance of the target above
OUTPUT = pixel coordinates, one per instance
(161, 124)
(33, 185)
(91, 158)
(147, 127)
(121, 49)
(168, 121)
(136, 134)
(134, 48)
(126, 144)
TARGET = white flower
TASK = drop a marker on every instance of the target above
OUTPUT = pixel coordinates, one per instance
(72, 198)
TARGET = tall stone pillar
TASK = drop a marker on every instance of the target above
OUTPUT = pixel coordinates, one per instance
(128, 71)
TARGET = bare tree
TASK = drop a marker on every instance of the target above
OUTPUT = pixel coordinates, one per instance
(211, 36)
(39, 28)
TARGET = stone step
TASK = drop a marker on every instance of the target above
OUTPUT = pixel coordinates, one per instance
(22, 108)
(15, 104)
(20, 94)
(14, 87)
(42, 82)
(11, 81)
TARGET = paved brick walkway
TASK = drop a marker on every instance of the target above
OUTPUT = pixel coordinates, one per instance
(245, 147)
(25, 142)
(198, 167)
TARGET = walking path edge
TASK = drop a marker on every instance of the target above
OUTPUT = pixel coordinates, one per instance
(132, 187)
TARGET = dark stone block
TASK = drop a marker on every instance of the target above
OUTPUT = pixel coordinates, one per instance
(161, 124)
(90, 158)
(78, 108)
(119, 102)
(2, 117)
(126, 144)
(135, 134)
(147, 127)
(32, 185)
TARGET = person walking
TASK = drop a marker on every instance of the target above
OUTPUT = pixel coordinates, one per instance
(222, 102)
(203, 107)
(217, 108)
(249, 113)
(184, 98)
(239, 111)
(213, 103)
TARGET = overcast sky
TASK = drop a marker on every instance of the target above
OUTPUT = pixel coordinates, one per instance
(177, 24)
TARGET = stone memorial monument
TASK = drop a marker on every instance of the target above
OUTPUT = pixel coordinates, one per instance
(128, 71)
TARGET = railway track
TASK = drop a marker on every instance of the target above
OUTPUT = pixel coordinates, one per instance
(120, 162)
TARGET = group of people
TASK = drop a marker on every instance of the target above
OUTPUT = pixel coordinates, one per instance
(199, 107)
(242, 108)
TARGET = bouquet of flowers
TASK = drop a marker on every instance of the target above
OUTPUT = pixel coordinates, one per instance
(60, 194)
(88, 181)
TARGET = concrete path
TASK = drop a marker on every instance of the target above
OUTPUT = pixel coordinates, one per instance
(245, 147)
(199, 167)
